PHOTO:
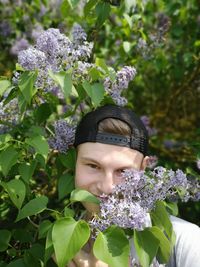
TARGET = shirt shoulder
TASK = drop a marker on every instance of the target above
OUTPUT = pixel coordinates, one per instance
(186, 252)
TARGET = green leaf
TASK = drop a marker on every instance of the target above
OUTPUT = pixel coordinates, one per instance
(43, 112)
(33, 207)
(44, 228)
(94, 74)
(22, 103)
(5, 138)
(146, 246)
(83, 196)
(69, 160)
(112, 247)
(101, 63)
(65, 185)
(73, 3)
(129, 4)
(161, 219)
(48, 246)
(3, 264)
(8, 158)
(69, 236)
(69, 212)
(16, 191)
(22, 235)
(5, 236)
(129, 20)
(89, 5)
(34, 255)
(26, 170)
(127, 46)
(165, 246)
(81, 92)
(4, 84)
(26, 85)
(40, 144)
(95, 92)
(172, 207)
(64, 80)
(17, 263)
(102, 10)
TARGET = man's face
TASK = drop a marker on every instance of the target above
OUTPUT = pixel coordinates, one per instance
(99, 167)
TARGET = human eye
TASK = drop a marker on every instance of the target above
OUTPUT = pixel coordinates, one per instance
(120, 172)
(92, 166)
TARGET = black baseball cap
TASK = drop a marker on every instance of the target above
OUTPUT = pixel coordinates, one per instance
(87, 129)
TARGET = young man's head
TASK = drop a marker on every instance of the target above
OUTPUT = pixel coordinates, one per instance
(108, 140)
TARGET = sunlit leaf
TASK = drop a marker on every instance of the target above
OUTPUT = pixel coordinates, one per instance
(68, 237)
(112, 247)
(33, 207)
(83, 196)
(16, 190)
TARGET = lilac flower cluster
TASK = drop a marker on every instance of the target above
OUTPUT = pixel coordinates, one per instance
(19, 45)
(136, 196)
(8, 115)
(155, 39)
(55, 52)
(121, 82)
(151, 131)
(64, 136)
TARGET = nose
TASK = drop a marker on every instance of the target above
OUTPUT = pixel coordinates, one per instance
(106, 184)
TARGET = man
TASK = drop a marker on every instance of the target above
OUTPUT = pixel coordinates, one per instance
(108, 141)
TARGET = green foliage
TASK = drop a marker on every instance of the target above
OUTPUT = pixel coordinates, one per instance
(39, 209)
(68, 237)
(112, 247)
(33, 207)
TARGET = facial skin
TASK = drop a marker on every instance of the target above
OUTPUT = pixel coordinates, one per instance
(99, 167)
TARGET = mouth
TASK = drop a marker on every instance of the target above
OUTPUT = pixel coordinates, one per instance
(103, 197)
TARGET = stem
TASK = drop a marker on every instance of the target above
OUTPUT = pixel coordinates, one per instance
(34, 224)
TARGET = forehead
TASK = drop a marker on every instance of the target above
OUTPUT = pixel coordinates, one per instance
(109, 154)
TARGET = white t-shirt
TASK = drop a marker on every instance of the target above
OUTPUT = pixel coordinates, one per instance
(186, 252)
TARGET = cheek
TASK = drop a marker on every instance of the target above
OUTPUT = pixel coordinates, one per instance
(83, 179)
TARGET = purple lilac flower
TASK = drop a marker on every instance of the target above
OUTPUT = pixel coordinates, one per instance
(8, 115)
(79, 35)
(19, 45)
(121, 82)
(136, 196)
(32, 59)
(82, 52)
(64, 136)
(55, 52)
(5, 28)
(151, 131)
(172, 144)
(36, 31)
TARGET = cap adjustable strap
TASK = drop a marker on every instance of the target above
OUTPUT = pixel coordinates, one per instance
(113, 139)
(119, 140)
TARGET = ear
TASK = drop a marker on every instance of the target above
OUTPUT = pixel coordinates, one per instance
(144, 163)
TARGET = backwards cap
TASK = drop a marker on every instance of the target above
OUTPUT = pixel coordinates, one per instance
(87, 130)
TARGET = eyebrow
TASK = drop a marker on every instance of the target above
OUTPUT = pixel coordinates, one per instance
(89, 159)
